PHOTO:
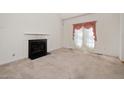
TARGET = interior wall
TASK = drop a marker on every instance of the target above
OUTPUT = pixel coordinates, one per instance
(107, 29)
(14, 41)
(122, 37)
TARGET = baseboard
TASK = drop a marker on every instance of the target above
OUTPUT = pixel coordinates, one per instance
(121, 59)
(7, 62)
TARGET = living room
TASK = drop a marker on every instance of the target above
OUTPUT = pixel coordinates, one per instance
(60, 30)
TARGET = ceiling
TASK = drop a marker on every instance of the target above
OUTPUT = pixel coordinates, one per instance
(70, 15)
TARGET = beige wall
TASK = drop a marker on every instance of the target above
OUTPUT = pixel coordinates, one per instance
(122, 37)
(108, 32)
(13, 27)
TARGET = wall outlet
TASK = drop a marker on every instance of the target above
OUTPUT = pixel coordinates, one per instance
(13, 54)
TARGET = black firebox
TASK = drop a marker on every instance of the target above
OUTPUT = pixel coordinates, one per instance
(37, 48)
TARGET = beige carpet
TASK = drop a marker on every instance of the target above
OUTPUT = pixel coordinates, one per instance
(65, 64)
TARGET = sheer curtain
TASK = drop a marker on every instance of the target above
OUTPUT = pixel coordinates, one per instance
(84, 35)
(89, 38)
(78, 38)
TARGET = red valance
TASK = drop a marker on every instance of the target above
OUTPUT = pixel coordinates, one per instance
(86, 25)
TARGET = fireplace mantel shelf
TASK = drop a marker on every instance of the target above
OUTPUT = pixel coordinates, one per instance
(35, 33)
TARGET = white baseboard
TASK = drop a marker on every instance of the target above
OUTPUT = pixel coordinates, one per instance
(21, 58)
(10, 61)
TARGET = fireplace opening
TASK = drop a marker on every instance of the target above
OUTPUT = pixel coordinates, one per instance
(37, 48)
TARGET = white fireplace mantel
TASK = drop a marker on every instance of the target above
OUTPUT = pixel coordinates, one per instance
(32, 33)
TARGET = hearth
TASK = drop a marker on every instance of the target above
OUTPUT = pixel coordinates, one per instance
(37, 48)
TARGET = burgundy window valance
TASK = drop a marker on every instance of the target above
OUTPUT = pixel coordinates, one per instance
(86, 25)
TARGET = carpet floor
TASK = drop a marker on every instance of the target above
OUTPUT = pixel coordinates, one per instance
(65, 64)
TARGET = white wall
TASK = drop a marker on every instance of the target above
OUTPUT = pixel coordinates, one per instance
(70, 15)
(13, 27)
(108, 32)
(122, 37)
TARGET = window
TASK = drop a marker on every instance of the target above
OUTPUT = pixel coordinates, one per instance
(78, 39)
(84, 34)
(89, 38)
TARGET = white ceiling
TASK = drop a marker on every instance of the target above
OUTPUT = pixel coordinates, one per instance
(69, 15)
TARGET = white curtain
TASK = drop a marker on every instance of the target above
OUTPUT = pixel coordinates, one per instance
(84, 38)
(78, 38)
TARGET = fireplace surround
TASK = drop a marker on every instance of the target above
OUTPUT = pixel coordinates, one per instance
(37, 48)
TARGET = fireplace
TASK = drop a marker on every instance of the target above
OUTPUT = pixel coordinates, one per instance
(37, 48)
